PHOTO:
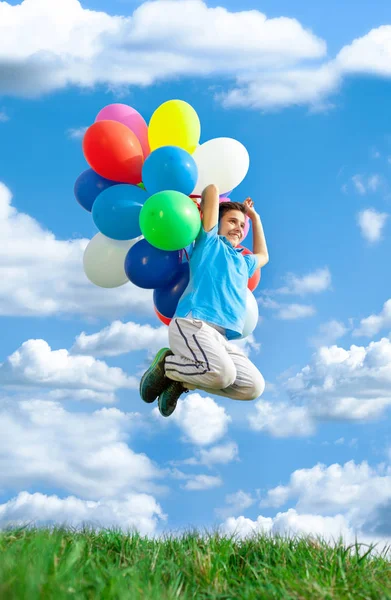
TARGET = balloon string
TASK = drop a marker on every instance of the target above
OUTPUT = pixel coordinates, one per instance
(187, 256)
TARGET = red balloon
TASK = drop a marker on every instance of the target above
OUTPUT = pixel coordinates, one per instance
(161, 317)
(256, 278)
(113, 151)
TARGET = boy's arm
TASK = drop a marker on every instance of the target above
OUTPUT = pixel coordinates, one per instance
(259, 242)
(210, 207)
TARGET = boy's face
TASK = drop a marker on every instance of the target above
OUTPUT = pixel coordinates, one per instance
(232, 226)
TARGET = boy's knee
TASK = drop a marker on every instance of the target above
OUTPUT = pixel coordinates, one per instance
(225, 377)
(256, 389)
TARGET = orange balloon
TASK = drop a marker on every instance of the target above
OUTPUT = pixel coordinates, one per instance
(256, 278)
(161, 317)
(113, 151)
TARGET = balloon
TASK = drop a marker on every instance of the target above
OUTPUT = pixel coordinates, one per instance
(166, 298)
(174, 123)
(254, 280)
(113, 151)
(252, 315)
(256, 277)
(170, 220)
(150, 268)
(88, 186)
(170, 168)
(222, 161)
(116, 211)
(103, 261)
(131, 118)
(161, 317)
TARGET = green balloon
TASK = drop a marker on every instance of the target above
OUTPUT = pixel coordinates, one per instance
(169, 220)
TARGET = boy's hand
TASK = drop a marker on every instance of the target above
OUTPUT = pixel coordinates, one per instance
(250, 210)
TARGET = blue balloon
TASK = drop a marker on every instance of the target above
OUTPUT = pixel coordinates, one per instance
(88, 186)
(166, 298)
(170, 168)
(150, 268)
(116, 211)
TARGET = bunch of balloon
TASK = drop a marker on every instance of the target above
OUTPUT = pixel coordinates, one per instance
(139, 189)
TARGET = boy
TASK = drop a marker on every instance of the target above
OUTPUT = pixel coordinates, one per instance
(211, 312)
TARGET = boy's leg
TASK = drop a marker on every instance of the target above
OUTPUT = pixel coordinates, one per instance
(249, 383)
(154, 380)
(200, 358)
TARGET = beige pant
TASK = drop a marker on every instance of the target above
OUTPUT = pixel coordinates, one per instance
(204, 359)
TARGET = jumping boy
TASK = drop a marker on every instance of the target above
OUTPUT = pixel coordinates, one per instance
(211, 312)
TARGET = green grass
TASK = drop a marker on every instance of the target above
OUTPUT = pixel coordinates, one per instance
(61, 562)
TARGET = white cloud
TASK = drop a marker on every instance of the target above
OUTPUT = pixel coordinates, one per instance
(353, 385)
(83, 395)
(284, 87)
(201, 420)
(374, 182)
(281, 419)
(369, 54)
(328, 333)
(344, 385)
(363, 184)
(371, 223)
(358, 184)
(120, 338)
(339, 500)
(161, 40)
(138, 512)
(371, 325)
(4, 116)
(202, 482)
(166, 39)
(312, 283)
(76, 133)
(354, 489)
(291, 312)
(292, 524)
(84, 454)
(42, 275)
(223, 454)
(235, 503)
(36, 364)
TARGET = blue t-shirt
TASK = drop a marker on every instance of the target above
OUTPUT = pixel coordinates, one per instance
(219, 274)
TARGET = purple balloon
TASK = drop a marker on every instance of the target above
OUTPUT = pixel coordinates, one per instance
(131, 118)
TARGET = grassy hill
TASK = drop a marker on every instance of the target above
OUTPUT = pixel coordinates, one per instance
(59, 562)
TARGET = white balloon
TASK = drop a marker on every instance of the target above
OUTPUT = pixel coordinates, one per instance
(221, 161)
(104, 260)
(252, 315)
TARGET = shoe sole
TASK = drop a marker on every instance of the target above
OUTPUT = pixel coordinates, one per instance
(161, 354)
(161, 410)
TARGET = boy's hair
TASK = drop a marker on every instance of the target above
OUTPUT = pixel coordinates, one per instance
(227, 206)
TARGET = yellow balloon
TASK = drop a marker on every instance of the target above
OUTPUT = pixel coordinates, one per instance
(174, 123)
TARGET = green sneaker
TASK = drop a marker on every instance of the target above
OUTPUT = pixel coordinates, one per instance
(154, 380)
(169, 397)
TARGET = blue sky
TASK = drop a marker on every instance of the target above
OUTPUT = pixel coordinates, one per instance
(313, 453)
